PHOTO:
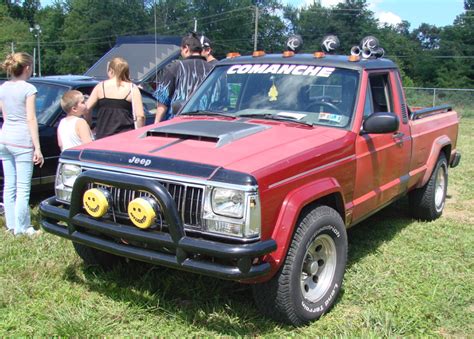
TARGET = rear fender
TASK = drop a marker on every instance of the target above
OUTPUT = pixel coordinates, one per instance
(438, 144)
(291, 209)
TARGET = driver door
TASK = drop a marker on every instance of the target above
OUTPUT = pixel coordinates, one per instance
(382, 159)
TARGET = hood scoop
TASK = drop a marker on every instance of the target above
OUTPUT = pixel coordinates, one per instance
(220, 132)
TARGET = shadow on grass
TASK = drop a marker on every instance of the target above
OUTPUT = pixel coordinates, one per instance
(383, 226)
(220, 306)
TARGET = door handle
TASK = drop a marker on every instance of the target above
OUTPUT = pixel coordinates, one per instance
(398, 137)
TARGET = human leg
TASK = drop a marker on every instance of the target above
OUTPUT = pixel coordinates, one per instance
(24, 171)
(9, 186)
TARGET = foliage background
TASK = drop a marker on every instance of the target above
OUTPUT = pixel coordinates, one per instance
(76, 33)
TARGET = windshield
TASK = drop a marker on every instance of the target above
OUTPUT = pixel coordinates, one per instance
(307, 94)
(48, 100)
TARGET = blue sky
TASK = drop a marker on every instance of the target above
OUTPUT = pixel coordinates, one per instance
(435, 12)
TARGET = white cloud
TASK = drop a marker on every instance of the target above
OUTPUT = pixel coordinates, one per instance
(388, 18)
(384, 17)
(330, 3)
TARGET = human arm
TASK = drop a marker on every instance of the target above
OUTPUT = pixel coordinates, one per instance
(83, 131)
(91, 102)
(160, 112)
(33, 128)
(164, 91)
(60, 143)
(137, 103)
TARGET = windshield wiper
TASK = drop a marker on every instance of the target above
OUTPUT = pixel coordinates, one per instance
(200, 112)
(274, 117)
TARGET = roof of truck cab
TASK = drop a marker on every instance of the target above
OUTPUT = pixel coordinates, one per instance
(341, 61)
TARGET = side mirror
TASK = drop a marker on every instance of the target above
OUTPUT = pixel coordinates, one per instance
(176, 106)
(379, 123)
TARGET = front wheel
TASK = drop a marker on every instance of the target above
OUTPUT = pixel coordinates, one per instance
(94, 257)
(427, 203)
(309, 281)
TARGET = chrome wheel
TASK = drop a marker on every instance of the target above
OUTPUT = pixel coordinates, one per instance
(440, 188)
(319, 266)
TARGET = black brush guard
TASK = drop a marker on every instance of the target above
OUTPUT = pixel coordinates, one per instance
(217, 259)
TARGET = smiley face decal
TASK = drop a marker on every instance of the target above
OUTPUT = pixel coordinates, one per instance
(142, 212)
(95, 202)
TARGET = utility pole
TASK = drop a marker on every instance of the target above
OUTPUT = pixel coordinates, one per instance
(256, 27)
(13, 47)
(195, 25)
(34, 61)
(37, 31)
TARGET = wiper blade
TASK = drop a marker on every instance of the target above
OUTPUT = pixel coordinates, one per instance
(275, 117)
(221, 114)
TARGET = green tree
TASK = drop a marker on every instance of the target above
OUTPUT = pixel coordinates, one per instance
(91, 28)
(26, 11)
(14, 31)
(350, 21)
(456, 63)
(51, 20)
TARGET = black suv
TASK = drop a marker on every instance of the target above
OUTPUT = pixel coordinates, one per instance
(49, 113)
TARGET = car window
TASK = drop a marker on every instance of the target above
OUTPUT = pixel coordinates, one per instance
(149, 104)
(48, 100)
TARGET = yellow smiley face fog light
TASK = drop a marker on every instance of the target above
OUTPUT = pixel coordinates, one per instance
(96, 202)
(142, 212)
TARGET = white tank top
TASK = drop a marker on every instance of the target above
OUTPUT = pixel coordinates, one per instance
(67, 132)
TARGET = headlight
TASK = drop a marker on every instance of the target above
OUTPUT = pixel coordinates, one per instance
(65, 178)
(228, 202)
(232, 213)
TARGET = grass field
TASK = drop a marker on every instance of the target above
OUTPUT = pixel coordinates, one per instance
(404, 278)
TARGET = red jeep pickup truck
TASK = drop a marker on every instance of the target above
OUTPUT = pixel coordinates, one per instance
(259, 176)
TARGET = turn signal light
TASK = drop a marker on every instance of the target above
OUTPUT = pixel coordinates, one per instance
(287, 54)
(319, 55)
(231, 55)
(354, 58)
(256, 54)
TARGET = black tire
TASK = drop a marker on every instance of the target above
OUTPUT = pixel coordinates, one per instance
(307, 284)
(94, 257)
(427, 202)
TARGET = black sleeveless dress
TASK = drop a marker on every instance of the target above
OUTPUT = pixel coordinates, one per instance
(113, 116)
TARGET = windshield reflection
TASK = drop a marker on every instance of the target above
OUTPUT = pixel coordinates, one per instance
(48, 100)
(307, 94)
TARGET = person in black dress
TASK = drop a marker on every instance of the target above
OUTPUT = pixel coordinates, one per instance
(114, 98)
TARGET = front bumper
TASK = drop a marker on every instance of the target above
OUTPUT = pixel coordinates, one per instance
(172, 249)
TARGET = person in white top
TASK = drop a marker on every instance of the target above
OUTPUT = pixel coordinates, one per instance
(19, 142)
(73, 130)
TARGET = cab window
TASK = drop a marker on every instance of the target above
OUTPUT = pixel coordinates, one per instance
(378, 98)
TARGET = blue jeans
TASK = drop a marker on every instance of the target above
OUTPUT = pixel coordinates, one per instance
(17, 171)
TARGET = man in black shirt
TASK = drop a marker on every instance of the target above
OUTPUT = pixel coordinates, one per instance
(180, 78)
(207, 50)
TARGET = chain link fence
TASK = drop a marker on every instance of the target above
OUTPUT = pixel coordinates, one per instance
(462, 100)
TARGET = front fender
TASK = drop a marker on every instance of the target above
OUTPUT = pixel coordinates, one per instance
(291, 208)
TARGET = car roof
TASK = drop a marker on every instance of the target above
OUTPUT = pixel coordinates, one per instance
(341, 61)
(67, 80)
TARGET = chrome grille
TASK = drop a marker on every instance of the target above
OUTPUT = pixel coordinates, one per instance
(188, 200)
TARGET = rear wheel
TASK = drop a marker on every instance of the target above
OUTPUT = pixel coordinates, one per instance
(94, 257)
(427, 203)
(309, 281)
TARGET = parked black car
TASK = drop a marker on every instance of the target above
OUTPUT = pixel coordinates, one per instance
(49, 113)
